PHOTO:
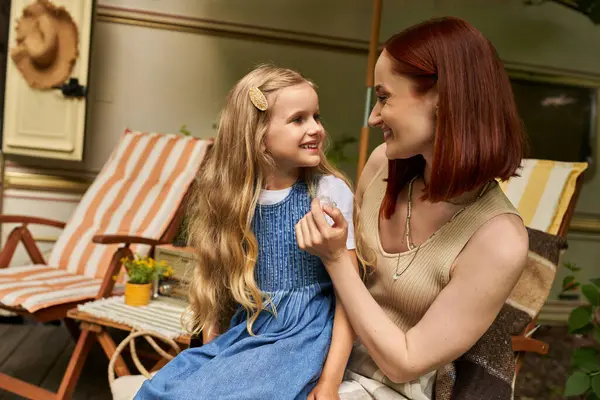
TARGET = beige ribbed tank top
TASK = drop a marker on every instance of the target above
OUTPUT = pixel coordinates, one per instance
(406, 300)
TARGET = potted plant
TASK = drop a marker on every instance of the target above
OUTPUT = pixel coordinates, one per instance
(142, 272)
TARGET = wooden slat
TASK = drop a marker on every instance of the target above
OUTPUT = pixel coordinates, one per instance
(24, 389)
(85, 317)
(93, 382)
(54, 376)
(35, 356)
(11, 336)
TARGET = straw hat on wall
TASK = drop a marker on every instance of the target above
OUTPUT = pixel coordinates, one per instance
(47, 45)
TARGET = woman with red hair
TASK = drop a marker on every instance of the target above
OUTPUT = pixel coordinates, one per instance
(447, 245)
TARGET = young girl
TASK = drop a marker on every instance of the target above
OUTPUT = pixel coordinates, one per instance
(288, 338)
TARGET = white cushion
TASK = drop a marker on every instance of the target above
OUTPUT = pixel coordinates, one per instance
(126, 387)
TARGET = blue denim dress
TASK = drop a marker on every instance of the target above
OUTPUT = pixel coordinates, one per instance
(285, 357)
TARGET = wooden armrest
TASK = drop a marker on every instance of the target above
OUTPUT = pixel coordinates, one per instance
(126, 239)
(24, 219)
(529, 345)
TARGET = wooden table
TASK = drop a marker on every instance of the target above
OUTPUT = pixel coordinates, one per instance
(99, 326)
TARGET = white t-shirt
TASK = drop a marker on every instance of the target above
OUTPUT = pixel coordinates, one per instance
(329, 186)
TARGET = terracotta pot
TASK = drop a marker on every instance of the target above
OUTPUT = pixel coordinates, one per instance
(138, 294)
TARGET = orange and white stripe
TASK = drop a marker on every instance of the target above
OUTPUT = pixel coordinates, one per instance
(137, 193)
(543, 192)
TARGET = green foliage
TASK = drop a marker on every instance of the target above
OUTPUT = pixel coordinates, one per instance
(580, 318)
(577, 384)
(336, 151)
(143, 270)
(585, 362)
(184, 130)
(589, 8)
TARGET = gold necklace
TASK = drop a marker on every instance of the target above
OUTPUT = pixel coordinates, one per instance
(409, 244)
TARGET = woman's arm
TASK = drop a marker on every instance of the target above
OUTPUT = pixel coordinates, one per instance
(483, 277)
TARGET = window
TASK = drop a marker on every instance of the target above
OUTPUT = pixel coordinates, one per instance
(559, 118)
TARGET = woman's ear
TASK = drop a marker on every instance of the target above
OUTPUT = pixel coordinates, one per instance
(433, 99)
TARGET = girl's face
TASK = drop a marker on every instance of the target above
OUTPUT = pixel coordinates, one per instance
(295, 136)
(406, 118)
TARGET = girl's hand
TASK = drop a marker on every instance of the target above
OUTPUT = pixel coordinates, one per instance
(324, 391)
(317, 237)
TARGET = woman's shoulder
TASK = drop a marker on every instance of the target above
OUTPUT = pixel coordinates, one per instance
(376, 161)
(508, 254)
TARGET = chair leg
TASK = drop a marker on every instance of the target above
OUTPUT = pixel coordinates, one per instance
(109, 347)
(73, 328)
(82, 349)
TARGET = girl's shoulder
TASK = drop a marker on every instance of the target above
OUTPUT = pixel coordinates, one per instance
(332, 182)
(337, 190)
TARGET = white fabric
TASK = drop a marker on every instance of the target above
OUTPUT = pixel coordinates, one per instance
(126, 387)
(329, 186)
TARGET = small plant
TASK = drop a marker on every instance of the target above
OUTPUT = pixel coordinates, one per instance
(184, 130)
(585, 377)
(336, 153)
(143, 270)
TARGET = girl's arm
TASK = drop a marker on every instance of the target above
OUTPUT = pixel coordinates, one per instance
(341, 344)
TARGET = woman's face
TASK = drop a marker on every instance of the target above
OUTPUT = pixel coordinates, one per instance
(406, 118)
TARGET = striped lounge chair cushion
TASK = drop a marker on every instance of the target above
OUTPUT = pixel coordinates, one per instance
(543, 192)
(137, 193)
(35, 287)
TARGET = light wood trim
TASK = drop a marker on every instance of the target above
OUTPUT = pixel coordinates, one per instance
(29, 180)
(45, 239)
(556, 312)
(585, 224)
(182, 23)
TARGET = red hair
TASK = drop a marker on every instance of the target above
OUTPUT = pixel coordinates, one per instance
(479, 136)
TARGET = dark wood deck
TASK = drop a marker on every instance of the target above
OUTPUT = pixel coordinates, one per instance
(39, 355)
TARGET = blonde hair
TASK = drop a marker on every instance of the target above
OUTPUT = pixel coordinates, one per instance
(225, 198)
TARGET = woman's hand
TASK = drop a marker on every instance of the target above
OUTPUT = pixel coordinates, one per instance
(324, 391)
(317, 237)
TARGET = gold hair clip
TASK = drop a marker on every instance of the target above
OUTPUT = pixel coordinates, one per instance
(258, 99)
